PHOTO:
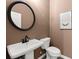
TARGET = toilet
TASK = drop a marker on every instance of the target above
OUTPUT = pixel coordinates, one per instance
(51, 52)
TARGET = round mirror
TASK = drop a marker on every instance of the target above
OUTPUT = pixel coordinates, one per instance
(21, 15)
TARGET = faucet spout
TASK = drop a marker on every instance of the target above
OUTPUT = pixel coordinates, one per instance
(27, 38)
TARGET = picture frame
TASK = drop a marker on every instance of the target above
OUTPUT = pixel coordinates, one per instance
(66, 20)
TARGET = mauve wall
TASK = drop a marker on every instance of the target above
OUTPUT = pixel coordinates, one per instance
(41, 28)
(60, 38)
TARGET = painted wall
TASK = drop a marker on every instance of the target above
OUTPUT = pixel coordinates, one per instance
(41, 28)
(60, 38)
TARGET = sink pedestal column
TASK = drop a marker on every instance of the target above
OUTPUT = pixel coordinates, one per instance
(29, 55)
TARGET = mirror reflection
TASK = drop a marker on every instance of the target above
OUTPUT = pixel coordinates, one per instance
(22, 16)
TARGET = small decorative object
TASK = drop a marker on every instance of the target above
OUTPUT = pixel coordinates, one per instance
(65, 20)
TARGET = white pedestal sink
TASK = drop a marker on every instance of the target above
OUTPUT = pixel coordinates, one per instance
(27, 49)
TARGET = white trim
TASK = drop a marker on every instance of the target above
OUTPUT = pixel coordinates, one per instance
(41, 56)
(65, 57)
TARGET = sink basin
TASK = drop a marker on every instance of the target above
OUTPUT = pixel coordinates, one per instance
(19, 49)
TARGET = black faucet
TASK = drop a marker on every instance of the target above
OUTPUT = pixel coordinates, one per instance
(26, 39)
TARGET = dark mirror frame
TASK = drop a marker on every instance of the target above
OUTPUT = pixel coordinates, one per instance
(10, 19)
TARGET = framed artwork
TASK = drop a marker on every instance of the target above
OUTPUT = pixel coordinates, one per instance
(66, 20)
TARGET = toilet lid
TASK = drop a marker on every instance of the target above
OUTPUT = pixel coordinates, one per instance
(53, 49)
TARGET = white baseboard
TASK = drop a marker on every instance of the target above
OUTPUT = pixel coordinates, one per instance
(65, 57)
(41, 56)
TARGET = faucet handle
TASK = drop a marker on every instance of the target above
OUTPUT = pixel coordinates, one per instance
(22, 40)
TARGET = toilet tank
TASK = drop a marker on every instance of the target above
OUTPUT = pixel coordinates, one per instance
(46, 42)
